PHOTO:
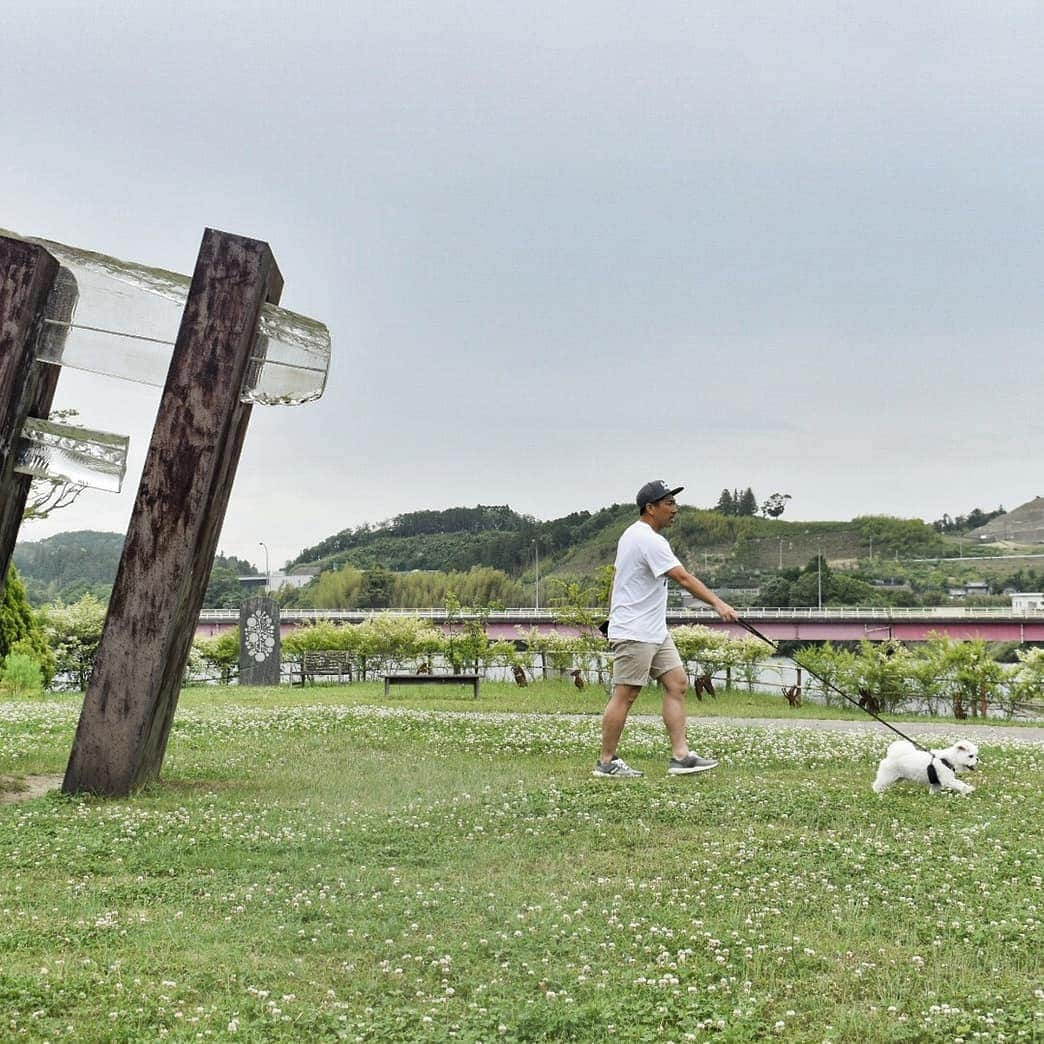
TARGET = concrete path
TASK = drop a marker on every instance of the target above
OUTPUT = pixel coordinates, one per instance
(979, 733)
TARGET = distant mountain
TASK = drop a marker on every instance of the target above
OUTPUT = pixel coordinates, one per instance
(459, 538)
(726, 550)
(711, 544)
(69, 565)
(1021, 525)
(66, 566)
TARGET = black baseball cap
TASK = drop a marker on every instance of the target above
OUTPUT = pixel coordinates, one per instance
(653, 491)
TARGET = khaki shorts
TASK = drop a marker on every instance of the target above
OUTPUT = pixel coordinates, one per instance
(634, 663)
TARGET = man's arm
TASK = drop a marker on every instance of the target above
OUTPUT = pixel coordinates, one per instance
(698, 589)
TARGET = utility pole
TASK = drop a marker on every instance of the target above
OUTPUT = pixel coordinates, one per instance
(268, 573)
(536, 552)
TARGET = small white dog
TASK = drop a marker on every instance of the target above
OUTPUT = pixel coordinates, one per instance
(937, 768)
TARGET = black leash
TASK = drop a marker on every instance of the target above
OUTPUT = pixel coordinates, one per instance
(830, 685)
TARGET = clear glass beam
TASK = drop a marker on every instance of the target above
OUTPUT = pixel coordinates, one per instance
(121, 318)
(80, 456)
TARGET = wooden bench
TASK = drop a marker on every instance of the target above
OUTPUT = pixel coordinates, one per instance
(334, 663)
(431, 679)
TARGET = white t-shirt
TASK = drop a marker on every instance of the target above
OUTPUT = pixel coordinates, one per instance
(638, 609)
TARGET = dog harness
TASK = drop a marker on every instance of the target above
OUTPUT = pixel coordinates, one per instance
(933, 774)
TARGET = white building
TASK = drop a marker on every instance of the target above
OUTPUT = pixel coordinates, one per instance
(277, 581)
(1027, 600)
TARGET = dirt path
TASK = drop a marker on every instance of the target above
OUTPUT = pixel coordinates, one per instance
(26, 788)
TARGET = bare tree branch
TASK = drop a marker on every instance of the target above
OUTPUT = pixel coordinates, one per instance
(51, 494)
(47, 495)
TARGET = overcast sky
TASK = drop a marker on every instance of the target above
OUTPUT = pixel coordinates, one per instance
(566, 248)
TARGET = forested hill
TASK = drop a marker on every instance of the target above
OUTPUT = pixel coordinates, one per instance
(459, 538)
(67, 566)
(728, 550)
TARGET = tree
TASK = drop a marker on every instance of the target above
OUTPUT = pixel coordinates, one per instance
(569, 592)
(20, 675)
(775, 592)
(47, 495)
(962, 523)
(813, 582)
(20, 630)
(604, 583)
(1026, 684)
(334, 589)
(747, 505)
(74, 632)
(466, 641)
(221, 654)
(726, 505)
(830, 668)
(970, 674)
(849, 590)
(881, 675)
(377, 588)
(775, 505)
(69, 565)
(224, 591)
(16, 616)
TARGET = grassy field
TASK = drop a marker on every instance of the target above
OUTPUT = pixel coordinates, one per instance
(316, 866)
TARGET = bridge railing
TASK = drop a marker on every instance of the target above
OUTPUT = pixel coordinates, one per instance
(523, 613)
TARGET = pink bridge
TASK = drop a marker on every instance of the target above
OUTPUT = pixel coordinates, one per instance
(833, 624)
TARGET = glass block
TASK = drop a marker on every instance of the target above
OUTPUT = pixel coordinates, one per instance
(48, 449)
(121, 318)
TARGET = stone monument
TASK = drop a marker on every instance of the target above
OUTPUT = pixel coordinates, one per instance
(260, 648)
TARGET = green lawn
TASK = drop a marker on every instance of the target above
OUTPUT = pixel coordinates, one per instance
(552, 697)
(316, 866)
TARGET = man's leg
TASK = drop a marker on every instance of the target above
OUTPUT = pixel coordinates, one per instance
(674, 683)
(615, 717)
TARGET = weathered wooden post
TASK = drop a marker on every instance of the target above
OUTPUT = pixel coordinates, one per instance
(27, 274)
(260, 648)
(191, 463)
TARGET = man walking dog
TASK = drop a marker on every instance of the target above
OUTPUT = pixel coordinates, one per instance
(642, 646)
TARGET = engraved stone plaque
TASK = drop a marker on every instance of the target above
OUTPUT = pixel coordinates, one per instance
(259, 645)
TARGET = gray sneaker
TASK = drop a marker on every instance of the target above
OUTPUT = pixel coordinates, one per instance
(617, 768)
(689, 764)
